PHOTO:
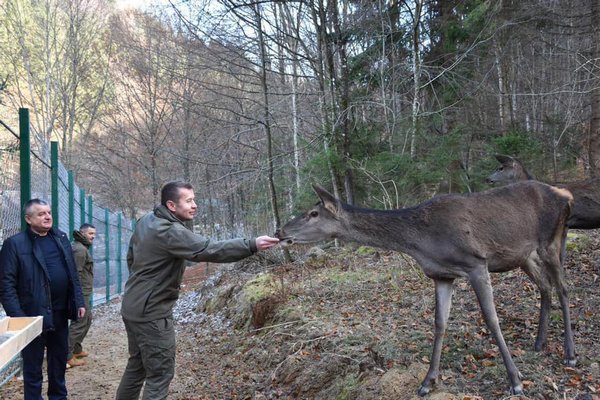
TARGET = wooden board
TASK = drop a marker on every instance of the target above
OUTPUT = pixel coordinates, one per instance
(15, 334)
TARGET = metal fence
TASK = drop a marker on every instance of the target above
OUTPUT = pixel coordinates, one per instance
(32, 169)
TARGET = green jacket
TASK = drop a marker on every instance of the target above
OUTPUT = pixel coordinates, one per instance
(84, 262)
(158, 250)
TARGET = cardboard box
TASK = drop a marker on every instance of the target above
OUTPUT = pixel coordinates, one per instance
(15, 334)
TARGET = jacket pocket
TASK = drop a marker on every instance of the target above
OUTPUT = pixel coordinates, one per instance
(134, 304)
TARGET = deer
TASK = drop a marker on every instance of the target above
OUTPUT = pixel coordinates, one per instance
(586, 194)
(462, 236)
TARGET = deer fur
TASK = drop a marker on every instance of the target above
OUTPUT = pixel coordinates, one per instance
(462, 236)
(585, 213)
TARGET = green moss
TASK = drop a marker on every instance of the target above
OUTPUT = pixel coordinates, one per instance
(365, 250)
(578, 242)
(260, 287)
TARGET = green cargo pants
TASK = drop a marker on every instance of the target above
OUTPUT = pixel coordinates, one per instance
(79, 329)
(151, 360)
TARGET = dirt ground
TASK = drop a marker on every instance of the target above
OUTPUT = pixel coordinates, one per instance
(352, 324)
(106, 342)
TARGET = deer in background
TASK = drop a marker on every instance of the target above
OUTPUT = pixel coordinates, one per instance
(462, 236)
(586, 194)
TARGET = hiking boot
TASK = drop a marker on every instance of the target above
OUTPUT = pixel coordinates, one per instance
(81, 354)
(73, 362)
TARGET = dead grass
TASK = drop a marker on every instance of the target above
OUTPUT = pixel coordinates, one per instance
(372, 312)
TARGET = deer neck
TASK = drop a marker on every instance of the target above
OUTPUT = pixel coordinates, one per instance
(521, 174)
(388, 229)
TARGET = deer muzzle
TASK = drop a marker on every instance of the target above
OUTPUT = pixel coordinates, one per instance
(284, 240)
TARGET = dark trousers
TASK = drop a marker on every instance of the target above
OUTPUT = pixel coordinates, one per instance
(79, 329)
(151, 360)
(56, 344)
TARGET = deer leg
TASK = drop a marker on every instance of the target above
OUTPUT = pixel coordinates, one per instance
(480, 281)
(569, 346)
(558, 277)
(532, 269)
(544, 319)
(443, 303)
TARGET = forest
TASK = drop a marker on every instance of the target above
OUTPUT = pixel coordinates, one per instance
(385, 103)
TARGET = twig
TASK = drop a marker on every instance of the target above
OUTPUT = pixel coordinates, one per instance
(276, 325)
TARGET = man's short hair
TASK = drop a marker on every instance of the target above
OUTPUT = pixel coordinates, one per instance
(33, 202)
(170, 191)
(85, 227)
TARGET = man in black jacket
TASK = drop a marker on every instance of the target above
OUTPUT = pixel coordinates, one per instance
(38, 277)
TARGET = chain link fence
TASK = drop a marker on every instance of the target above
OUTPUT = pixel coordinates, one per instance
(37, 167)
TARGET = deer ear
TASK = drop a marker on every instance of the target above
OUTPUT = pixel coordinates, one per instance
(329, 201)
(502, 159)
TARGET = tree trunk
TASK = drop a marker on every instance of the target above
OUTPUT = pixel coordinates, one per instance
(290, 28)
(416, 67)
(266, 115)
(501, 89)
(594, 133)
(323, 57)
(343, 93)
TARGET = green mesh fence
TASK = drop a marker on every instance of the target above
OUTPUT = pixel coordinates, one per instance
(10, 217)
(71, 208)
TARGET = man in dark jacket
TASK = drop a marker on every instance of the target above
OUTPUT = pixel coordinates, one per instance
(157, 255)
(82, 241)
(38, 277)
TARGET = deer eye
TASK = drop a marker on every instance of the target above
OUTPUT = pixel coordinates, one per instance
(314, 214)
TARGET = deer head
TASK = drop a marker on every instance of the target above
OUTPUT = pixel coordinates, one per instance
(320, 222)
(509, 171)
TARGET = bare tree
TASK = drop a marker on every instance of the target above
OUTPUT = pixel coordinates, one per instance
(594, 132)
(56, 68)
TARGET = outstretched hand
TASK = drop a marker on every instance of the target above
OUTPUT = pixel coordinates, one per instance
(266, 242)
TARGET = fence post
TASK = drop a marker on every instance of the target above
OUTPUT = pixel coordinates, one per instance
(119, 254)
(71, 204)
(90, 210)
(107, 251)
(25, 161)
(54, 175)
(81, 206)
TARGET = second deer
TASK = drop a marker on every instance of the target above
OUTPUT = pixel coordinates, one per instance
(463, 236)
(586, 194)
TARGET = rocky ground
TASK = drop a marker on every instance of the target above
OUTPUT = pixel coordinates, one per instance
(352, 323)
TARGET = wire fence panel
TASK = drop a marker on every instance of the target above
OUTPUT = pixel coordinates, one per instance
(10, 195)
(40, 177)
(63, 198)
(73, 207)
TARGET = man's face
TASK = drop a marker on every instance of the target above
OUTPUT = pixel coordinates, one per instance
(39, 218)
(89, 234)
(185, 208)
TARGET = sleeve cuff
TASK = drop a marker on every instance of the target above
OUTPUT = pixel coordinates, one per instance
(253, 247)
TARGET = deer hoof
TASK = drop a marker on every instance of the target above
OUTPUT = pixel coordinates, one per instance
(570, 362)
(517, 390)
(423, 390)
(539, 345)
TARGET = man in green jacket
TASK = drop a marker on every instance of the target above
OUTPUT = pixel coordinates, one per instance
(158, 250)
(82, 241)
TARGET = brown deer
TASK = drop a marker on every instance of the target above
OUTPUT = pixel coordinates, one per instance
(586, 194)
(462, 236)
